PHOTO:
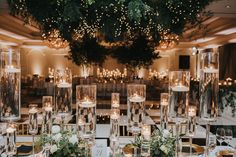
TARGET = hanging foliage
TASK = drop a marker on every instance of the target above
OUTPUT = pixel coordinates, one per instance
(87, 52)
(139, 54)
(115, 20)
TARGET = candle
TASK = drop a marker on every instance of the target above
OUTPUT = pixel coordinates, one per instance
(10, 56)
(192, 112)
(210, 69)
(137, 98)
(164, 102)
(87, 103)
(64, 84)
(146, 132)
(115, 104)
(48, 108)
(11, 69)
(115, 115)
(10, 130)
(180, 88)
(33, 110)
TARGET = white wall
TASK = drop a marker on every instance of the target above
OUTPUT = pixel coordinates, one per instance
(37, 60)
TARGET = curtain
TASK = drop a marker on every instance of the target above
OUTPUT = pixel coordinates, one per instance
(227, 59)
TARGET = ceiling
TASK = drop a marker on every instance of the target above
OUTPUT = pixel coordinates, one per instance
(218, 30)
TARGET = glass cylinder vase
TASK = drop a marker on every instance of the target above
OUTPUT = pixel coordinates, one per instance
(209, 85)
(209, 90)
(164, 110)
(136, 95)
(11, 148)
(47, 102)
(63, 91)
(10, 85)
(179, 83)
(86, 111)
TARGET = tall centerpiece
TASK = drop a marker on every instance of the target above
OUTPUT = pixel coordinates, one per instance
(209, 90)
(136, 95)
(179, 82)
(33, 122)
(11, 148)
(10, 85)
(164, 110)
(86, 112)
(63, 92)
(114, 122)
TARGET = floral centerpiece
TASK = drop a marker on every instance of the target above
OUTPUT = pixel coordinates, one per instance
(63, 143)
(162, 144)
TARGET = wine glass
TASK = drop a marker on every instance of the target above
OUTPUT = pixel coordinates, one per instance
(228, 135)
(220, 135)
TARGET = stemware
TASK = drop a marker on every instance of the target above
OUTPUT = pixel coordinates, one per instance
(191, 125)
(220, 135)
(33, 122)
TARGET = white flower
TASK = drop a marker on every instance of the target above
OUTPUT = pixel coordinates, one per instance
(166, 133)
(53, 148)
(3, 155)
(56, 137)
(73, 139)
(56, 129)
(164, 149)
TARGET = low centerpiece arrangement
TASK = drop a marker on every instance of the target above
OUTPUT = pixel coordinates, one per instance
(62, 143)
(162, 144)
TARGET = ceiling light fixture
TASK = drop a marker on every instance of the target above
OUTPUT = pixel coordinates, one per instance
(54, 40)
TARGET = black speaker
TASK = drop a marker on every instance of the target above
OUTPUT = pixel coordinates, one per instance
(184, 62)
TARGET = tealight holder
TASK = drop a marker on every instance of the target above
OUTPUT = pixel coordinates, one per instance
(86, 111)
(10, 74)
(114, 131)
(11, 148)
(115, 100)
(146, 136)
(179, 84)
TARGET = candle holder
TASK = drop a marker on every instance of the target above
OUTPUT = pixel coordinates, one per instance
(115, 100)
(114, 122)
(11, 140)
(179, 82)
(136, 95)
(10, 73)
(146, 136)
(63, 92)
(164, 110)
(47, 102)
(86, 112)
(33, 122)
(209, 90)
(191, 125)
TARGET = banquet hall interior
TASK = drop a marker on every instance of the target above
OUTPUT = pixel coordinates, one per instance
(118, 78)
